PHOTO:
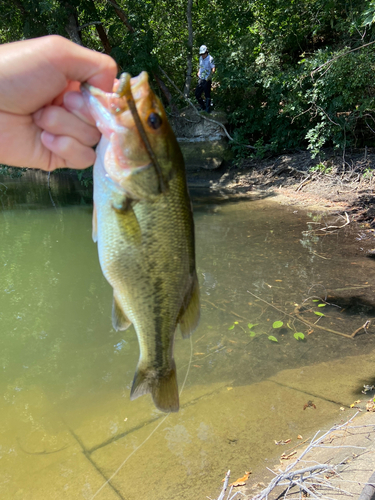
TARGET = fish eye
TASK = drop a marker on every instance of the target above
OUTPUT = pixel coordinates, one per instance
(154, 121)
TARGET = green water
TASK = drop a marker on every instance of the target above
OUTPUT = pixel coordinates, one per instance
(66, 421)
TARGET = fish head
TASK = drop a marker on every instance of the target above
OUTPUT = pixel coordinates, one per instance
(142, 149)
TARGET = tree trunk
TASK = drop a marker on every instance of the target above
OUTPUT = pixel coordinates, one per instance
(121, 14)
(166, 92)
(103, 37)
(72, 27)
(100, 30)
(189, 68)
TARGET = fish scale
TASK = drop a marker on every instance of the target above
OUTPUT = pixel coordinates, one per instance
(145, 237)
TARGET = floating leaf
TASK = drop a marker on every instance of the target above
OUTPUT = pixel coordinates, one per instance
(274, 339)
(242, 480)
(252, 334)
(318, 313)
(315, 300)
(277, 324)
(251, 325)
(231, 327)
(321, 305)
(299, 335)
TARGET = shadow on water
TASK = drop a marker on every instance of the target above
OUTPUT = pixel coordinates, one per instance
(66, 421)
(205, 196)
(354, 305)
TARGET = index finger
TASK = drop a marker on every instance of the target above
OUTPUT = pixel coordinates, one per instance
(79, 63)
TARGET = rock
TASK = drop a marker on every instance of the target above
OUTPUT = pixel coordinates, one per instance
(203, 143)
(190, 126)
(208, 155)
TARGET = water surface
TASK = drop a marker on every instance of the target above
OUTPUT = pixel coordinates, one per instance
(66, 421)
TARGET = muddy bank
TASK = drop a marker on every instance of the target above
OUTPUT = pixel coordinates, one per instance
(343, 183)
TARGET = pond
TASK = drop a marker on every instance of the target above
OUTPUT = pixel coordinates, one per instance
(66, 422)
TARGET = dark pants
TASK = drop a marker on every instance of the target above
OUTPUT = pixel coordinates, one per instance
(203, 86)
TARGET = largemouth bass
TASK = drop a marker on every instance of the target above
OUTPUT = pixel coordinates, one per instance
(143, 225)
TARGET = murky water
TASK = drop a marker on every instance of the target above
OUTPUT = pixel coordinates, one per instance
(66, 422)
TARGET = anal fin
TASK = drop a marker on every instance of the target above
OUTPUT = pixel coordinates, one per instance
(162, 386)
(119, 318)
(190, 310)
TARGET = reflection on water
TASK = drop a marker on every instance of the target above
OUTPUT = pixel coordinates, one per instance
(66, 422)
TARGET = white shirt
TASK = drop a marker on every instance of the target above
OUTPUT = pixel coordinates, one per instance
(205, 66)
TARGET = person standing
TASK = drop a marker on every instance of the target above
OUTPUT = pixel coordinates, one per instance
(206, 69)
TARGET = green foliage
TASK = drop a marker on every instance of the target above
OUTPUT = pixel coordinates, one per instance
(299, 336)
(289, 74)
(272, 338)
(277, 324)
(321, 168)
(11, 172)
(319, 313)
(85, 176)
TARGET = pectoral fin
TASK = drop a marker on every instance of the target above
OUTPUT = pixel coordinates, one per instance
(162, 386)
(127, 220)
(119, 318)
(94, 225)
(190, 310)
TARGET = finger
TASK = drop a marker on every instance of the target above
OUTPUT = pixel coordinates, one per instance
(81, 64)
(74, 102)
(73, 153)
(43, 68)
(59, 121)
(71, 87)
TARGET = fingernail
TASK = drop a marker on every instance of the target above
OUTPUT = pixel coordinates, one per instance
(47, 138)
(73, 101)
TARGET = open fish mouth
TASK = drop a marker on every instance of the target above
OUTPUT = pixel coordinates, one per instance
(124, 109)
(107, 106)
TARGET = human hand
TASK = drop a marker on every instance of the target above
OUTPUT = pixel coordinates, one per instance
(44, 122)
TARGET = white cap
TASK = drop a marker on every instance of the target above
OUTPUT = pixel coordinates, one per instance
(202, 49)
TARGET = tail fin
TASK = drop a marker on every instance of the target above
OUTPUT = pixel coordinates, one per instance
(162, 385)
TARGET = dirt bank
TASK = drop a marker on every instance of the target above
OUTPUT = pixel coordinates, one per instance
(339, 182)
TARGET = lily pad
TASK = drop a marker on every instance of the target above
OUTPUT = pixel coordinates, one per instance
(277, 324)
(299, 336)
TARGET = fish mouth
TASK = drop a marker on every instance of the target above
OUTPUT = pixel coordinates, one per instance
(107, 106)
(118, 116)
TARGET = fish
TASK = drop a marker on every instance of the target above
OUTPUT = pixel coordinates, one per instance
(144, 229)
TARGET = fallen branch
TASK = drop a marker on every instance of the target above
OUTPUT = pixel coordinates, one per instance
(338, 57)
(335, 227)
(305, 181)
(309, 478)
(200, 115)
(296, 315)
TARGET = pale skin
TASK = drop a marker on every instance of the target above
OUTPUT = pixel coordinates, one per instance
(44, 122)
